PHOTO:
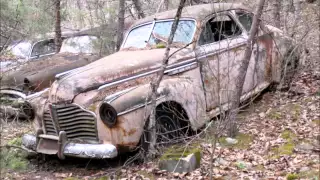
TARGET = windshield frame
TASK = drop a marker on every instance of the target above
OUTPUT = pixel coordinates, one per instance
(153, 25)
(30, 57)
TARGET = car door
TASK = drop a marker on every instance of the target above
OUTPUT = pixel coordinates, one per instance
(220, 50)
(260, 72)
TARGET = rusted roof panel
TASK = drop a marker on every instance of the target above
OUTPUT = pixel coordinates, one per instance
(197, 12)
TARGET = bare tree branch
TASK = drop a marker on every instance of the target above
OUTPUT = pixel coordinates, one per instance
(243, 70)
(155, 85)
(120, 23)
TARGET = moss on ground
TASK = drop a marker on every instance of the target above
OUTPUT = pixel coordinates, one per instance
(274, 114)
(294, 110)
(71, 178)
(176, 152)
(288, 147)
(285, 149)
(260, 167)
(244, 141)
(292, 176)
(316, 121)
(288, 135)
(145, 174)
(13, 158)
(312, 174)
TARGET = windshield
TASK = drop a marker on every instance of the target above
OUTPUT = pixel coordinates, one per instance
(144, 36)
(80, 44)
(21, 49)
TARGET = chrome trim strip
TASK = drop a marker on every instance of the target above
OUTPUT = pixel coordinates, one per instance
(220, 50)
(114, 96)
(183, 68)
(36, 94)
(63, 74)
(14, 92)
(137, 106)
(173, 68)
(58, 76)
(127, 79)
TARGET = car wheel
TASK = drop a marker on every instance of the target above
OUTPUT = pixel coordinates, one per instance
(172, 126)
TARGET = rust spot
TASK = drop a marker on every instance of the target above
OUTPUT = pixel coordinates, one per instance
(127, 147)
(118, 127)
(132, 131)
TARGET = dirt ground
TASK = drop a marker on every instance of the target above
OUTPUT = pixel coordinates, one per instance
(279, 138)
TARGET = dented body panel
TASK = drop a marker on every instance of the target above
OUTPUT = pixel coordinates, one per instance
(200, 78)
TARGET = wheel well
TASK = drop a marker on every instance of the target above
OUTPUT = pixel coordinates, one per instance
(176, 109)
(172, 107)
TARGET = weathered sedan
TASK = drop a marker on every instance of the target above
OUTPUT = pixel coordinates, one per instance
(101, 109)
(41, 68)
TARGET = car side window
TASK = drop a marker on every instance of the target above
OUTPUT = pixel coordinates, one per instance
(43, 48)
(245, 19)
(219, 28)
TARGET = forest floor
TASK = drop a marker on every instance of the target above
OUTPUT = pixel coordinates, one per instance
(279, 139)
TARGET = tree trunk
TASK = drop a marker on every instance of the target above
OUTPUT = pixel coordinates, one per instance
(120, 24)
(297, 17)
(166, 5)
(232, 129)
(276, 8)
(137, 5)
(58, 38)
(286, 8)
(155, 84)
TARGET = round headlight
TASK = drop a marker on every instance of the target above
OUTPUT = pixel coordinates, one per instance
(108, 114)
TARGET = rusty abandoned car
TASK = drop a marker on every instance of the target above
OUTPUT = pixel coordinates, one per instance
(38, 73)
(100, 110)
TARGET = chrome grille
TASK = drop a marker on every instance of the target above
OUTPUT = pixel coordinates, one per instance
(48, 123)
(75, 121)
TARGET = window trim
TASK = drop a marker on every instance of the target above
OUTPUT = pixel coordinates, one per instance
(236, 16)
(160, 20)
(232, 16)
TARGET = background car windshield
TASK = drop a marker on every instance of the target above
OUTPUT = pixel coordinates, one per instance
(43, 47)
(21, 49)
(80, 44)
(139, 37)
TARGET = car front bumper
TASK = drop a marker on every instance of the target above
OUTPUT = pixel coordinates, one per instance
(59, 146)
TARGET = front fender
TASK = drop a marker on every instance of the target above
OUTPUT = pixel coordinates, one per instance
(133, 107)
(187, 92)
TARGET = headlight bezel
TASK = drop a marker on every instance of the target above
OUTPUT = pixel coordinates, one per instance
(108, 114)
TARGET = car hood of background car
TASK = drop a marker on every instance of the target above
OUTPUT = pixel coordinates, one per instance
(111, 68)
(42, 70)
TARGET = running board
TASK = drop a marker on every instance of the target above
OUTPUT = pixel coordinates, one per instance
(227, 106)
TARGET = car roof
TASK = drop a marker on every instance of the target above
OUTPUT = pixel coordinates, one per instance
(197, 12)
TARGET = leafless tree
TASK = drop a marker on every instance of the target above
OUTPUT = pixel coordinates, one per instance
(276, 8)
(138, 7)
(243, 69)
(156, 83)
(120, 24)
(166, 5)
(58, 38)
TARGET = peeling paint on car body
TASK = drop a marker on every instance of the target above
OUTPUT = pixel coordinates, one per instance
(123, 81)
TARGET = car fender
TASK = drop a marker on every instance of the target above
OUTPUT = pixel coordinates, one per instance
(133, 108)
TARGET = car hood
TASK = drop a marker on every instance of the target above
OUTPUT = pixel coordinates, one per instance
(39, 68)
(110, 68)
